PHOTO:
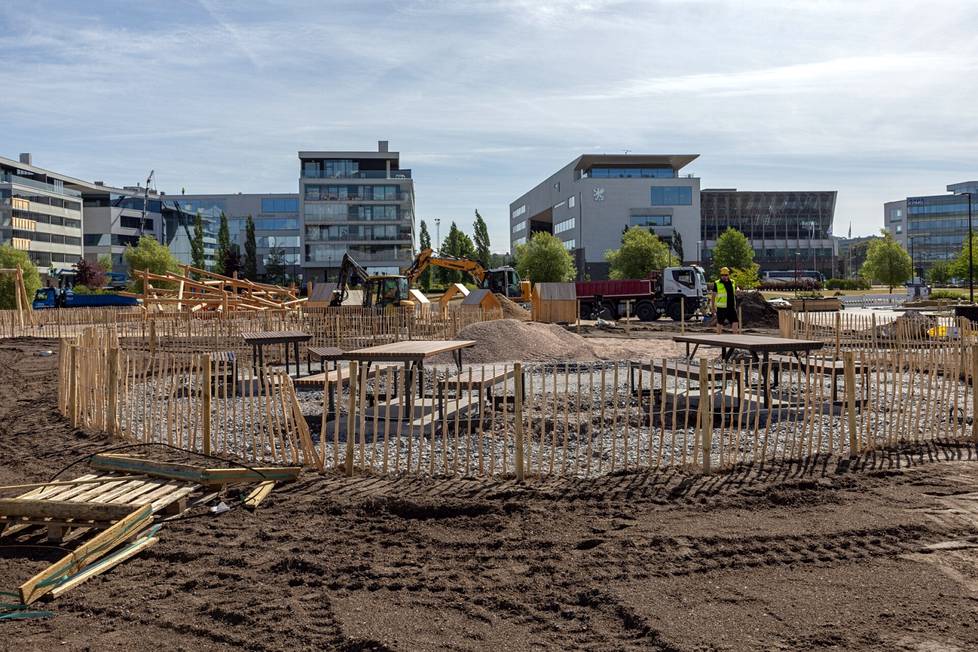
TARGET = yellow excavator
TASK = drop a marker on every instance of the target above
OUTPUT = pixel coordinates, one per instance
(499, 280)
(379, 290)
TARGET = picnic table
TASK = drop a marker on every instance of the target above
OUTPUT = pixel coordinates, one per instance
(413, 354)
(759, 347)
(260, 339)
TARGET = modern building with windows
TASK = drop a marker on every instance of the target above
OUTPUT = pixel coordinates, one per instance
(40, 214)
(789, 230)
(114, 220)
(934, 227)
(592, 200)
(276, 218)
(361, 203)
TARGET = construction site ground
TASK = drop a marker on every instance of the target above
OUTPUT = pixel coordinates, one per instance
(880, 553)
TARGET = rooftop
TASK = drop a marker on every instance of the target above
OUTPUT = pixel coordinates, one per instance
(674, 161)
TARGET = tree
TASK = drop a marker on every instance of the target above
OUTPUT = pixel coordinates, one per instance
(939, 273)
(276, 268)
(9, 259)
(481, 239)
(640, 254)
(151, 256)
(959, 268)
(732, 250)
(197, 258)
(250, 251)
(887, 262)
(543, 259)
(425, 241)
(231, 263)
(677, 246)
(105, 262)
(223, 245)
(457, 244)
(89, 274)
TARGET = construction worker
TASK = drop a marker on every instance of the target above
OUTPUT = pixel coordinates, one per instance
(724, 296)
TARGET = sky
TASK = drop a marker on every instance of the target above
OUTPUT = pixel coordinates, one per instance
(876, 99)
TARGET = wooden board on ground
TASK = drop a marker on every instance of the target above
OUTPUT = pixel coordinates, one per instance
(196, 474)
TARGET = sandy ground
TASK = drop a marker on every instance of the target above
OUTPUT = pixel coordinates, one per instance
(877, 554)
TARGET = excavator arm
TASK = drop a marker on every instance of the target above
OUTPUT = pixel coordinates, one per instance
(426, 257)
(348, 268)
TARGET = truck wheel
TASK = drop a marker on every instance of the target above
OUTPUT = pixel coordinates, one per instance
(586, 310)
(674, 310)
(645, 311)
(609, 311)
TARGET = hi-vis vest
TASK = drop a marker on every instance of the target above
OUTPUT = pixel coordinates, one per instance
(722, 292)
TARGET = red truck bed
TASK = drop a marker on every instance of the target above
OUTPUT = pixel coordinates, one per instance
(611, 289)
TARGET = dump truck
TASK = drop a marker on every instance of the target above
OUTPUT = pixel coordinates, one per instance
(664, 293)
(54, 298)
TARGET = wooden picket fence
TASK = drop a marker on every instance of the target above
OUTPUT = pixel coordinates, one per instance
(192, 402)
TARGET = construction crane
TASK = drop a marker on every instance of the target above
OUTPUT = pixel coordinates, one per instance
(379, 290)
(142, 219)
(499, 280)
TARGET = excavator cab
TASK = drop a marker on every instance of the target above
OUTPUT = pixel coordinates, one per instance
(387, 291)
(504, 281)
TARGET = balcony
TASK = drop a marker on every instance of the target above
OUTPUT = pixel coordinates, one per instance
(365, 174)
(31, 183)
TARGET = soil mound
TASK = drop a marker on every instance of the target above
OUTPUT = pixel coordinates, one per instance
(513, 310)
(505, 340)
(757, 311)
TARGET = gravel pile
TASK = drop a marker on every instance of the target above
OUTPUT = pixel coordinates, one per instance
(513, 310)
(512, 339)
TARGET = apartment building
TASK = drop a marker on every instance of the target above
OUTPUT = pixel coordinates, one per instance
(361, 203)
(276, 219)
(592, 200)
(40, 214)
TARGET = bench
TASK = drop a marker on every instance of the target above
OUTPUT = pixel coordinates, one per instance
(680, 369)
(323, 354)
(825, 367)
(482, 384)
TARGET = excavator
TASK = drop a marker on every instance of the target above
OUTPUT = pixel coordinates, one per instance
(379, 290)
(499, 280)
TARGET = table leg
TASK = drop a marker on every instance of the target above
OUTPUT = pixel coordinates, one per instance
(254, 359)
(287, 347)
(458, 360)
(766, 382)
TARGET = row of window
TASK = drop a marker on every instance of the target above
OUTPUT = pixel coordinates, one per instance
(570, 245)
(287, 258)
(336, 212)
(938, 225)
(359, 232)
(521, 210)
(133, 223)
(631, 173)
(105, 239)
(44, 259)
(519, 241)
(650, 220)
(324, 253)
(330, 168)
(947, 239)
(49, 201)
(672, 196)
(42, 218)
(519, 226)
(239, 224)
(271, 241)
(566, 225)
(930, 209)
(346, 193)
(54, 238)
(280, 205)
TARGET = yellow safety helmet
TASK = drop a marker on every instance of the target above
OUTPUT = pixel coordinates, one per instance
(724, 270)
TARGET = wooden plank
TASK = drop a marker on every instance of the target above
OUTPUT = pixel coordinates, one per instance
(58, 509)
(258, 494)
(105, 564)
(174, 471)
(44, 582)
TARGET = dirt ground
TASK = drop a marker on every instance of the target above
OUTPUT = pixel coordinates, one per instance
(879, 553)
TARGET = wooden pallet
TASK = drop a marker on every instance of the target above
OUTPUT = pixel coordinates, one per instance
(95, 505)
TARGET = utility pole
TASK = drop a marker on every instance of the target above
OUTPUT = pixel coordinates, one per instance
(438, 235)
(971, 255)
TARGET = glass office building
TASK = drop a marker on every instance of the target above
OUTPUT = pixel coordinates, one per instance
(932, 228)
(361, 203)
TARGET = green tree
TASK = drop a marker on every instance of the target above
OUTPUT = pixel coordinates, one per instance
(732, 250)
(640, 254)
(232, 260)
(197, 258)
(151, 256)
(276, 269)
(543, 259)
(250, 251)
(677, 246)
(223, 244)
(939, 273)
(887, 262)
(959, 267)
(481, 239)
(457, 244)
(105, 262)
(424, 239)
(9, 259)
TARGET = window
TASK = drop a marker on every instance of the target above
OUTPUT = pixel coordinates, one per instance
(519, 241)
(570, 245)
(326, 211)
(650, 220)
(566, 225)
(572, 201)
(518, 211)
(557, 186)
(899, 228)
(632, 173)
(284, 205)
(519, 226)
(672, 196)
(275, 224)
(133, 223)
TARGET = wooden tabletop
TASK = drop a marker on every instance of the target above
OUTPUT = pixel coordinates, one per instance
(275, 337)
(756, 343)
(411, 351)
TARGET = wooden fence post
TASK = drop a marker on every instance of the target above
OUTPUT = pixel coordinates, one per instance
(351, 413)
(518, 416)
(152, 337)
(974, 389)
(850, 380)
(73, 385)
(205, 384)
(112, 394)
(706, 415)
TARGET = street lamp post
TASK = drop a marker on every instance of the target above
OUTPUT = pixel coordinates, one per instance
(438, 235)
(971, 256)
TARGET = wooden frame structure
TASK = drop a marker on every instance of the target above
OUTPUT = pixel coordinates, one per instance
(197, 289)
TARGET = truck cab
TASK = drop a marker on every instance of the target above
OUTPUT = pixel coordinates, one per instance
(683, 285)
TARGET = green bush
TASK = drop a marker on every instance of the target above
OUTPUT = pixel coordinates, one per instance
(947, 294)
(848, 284)
(84, 289)
(9, 259)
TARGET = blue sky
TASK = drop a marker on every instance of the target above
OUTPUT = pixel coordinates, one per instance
(484, 99)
